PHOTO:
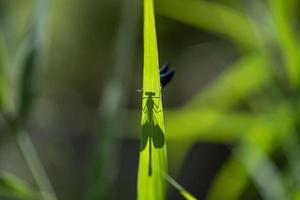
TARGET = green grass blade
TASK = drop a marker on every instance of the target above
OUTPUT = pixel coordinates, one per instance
(111, 119)
(153, 160)
(251, 72)
(35, 165)
(287, 39)
(12, 186)
(200, 125)
(3, 64)
(213, 17)
(1, 72)
(230, 181)
(207, 125)
(234, 176)
(181, 189)
(262, 171)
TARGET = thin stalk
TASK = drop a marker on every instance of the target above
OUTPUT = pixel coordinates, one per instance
(185, 194)
(111, 119)
(35, 165)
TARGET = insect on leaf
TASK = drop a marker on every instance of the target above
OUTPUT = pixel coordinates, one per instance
(153, 160)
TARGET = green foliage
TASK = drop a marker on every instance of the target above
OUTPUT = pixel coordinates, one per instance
(205, 117)
(212, 17)
(153, 158)
(27, 84)
(289, 44)
(2, 63)
(252, 105)
(12, 186)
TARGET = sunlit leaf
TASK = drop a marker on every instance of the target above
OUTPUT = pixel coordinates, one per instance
(153, 160)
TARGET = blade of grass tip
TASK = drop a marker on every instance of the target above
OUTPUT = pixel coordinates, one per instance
(111, 119)
(151, 185)
(181, 189)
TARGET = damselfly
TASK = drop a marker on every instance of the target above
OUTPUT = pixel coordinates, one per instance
(165, 75)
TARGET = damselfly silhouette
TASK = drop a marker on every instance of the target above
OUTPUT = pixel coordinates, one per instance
(151, 130)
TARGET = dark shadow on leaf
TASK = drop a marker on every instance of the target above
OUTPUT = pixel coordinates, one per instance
(151, 131)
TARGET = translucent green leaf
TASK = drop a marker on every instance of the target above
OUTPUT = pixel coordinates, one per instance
(151, 185)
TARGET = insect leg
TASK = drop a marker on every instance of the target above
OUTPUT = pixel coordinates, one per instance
(156, 107)
(145, 109)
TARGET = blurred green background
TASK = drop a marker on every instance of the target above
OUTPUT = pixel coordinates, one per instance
(70, 113)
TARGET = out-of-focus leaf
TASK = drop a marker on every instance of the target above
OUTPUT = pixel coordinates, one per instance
(207, 125)
(35, 165)
(203, 117)
(296, 195)
(27, 84)
(244, 77)
(213, 17)
(287, 39)
(290, 145)
(201, 125)
(2, 73)
(176, 156)
(12, 186)
(266, 135)
(262, 171)
(153, 158)
(230, 181)
(111, 119)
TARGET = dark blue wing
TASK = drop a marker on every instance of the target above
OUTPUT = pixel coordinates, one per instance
(164, 68)
(166, 77)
